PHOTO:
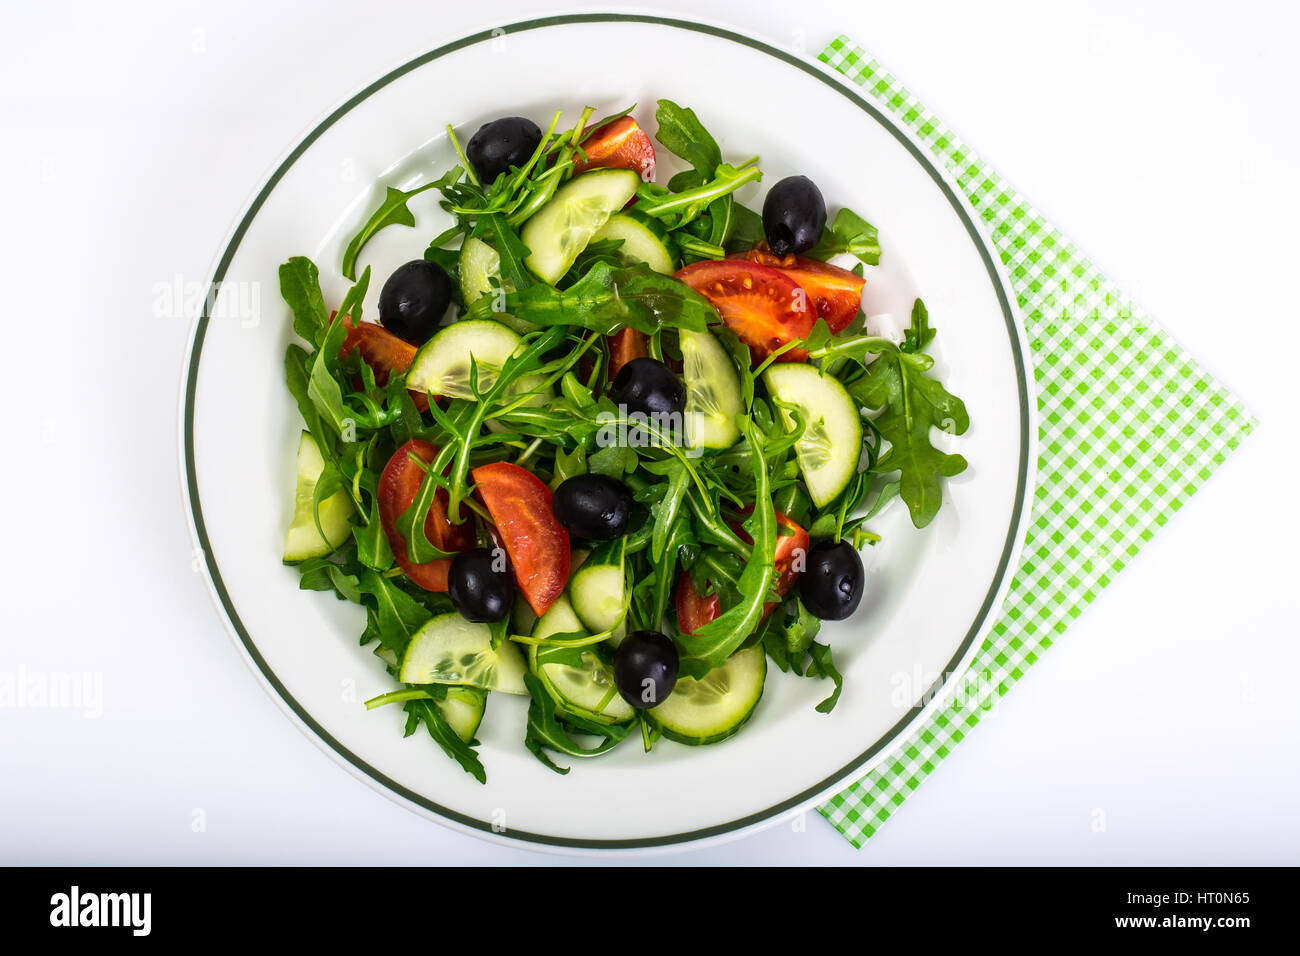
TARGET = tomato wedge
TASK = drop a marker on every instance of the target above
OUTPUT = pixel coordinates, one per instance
(835, 293)
(383, 351)
(537, 544)
(624, 346)
(619, 144)
(694, 610)
(762, 305)
(398, 486)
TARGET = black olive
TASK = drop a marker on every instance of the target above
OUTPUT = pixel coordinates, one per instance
(593, 506)
(831, 584)
(481, 585)
(414, 300)
(500, 144)
(794, 215)
(647, 386)
(645, 668)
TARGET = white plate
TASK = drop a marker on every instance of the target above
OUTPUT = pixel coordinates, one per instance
(930, 593)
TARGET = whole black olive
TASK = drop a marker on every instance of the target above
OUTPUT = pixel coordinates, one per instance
(649, 387)
(645, 668)
(414, 300)
(794, 215)
(500, 144)
(831, 584)
(593, 506)
(481, 585)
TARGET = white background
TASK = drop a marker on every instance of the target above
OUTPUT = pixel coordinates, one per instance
(1159, 136)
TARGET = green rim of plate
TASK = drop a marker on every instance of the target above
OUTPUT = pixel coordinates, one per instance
(845, 774)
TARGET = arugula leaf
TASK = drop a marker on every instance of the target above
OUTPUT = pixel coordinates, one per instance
(322, 574)
(397, 615)
(685, 206)
(607, 299)
(322, 387)
(391, 212)
(373, 549)
(545, 732)
(918, 334)
(799, 630)
(427, 712)
(682, 134)
(822, 344)
(791, 647)
(821, 665)
(911, 403)
(713, 643)
(746, 228)
(496, 232)
(297, 373)
(849, 233)
(300, 289)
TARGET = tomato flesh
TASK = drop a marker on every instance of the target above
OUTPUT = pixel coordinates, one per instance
(383, 351)
(835, 293)
(535, 542)
(398, 486)
(620, 144)
(624, 346)
(765, 307)
(694, 610)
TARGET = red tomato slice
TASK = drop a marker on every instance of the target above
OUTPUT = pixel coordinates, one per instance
(694, 611)
(383, 351)
(620, 144)
(537, 544)
(764, 306)
(624, 346)
(835, 293)
(398, 486)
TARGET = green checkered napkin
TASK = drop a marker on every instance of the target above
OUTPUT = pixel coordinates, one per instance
(1130, 427)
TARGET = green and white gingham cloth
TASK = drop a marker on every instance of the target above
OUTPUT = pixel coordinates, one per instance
(1129, 427)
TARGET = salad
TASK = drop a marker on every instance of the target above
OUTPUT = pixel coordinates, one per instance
(612, 444)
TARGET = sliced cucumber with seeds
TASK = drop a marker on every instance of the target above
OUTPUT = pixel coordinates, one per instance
(452, 650)
(561, 229)
(303, 540)
(442, 365)
(713, 399)
(581, 681)
(480, 275)
(831, 445)
(644, 240)
(598, 589)
(714, 707)
(463, 709)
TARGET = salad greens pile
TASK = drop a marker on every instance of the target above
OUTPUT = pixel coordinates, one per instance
(723, 527)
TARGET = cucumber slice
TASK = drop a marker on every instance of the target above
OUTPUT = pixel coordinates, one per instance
(714, 707)
(442, 365)
(644, 240)
(713, 399)
(452, 650)
(479, 266)
(561, 229)
(598, 589)
(829, 449)
(559, 618)
(586, 690)
(303, 540)
(463, 709)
